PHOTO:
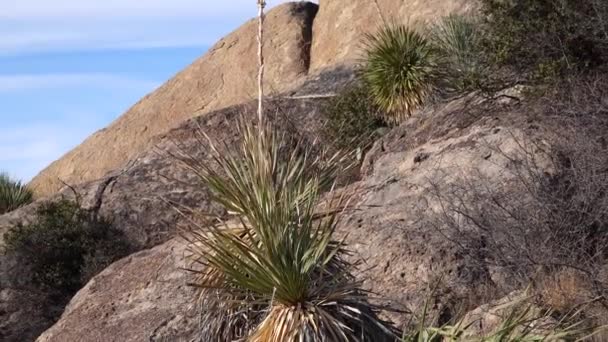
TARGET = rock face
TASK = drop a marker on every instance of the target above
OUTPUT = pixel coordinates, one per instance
(405, 257)
(144, 298)
(224, 76)
(340, 25)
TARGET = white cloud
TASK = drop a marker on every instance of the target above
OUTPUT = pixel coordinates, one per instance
(13, 83)
(89, 38)
(26, 149)
(30, 26)
(24, 9)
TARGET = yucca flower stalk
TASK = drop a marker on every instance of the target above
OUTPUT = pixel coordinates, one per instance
(400, 67)
(261, 6)
(13, 194)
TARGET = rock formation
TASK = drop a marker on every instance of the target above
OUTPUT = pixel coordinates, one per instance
(144, 297)
(303, 42)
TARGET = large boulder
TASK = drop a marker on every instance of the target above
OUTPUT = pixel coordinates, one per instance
(224, 76)
(340, 25)
(144, 297)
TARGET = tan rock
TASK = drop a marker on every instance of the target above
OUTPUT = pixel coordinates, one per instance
(341, 24)
(223, 76)
(144, 297)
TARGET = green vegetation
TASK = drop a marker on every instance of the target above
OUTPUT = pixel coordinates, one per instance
(457, 39)
(510, 42)
(352, 118)
(65, 246)
(517, 319)
(13, 194)
(545, 37)
(401, 69)
(277, 274)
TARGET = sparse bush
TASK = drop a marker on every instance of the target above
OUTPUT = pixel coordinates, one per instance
(517, 320)
(401, 69)
(550, 216)
(457, 39)
(353, 120)
(545, 37)
(277, 274)
(65, 246)
(13, 194)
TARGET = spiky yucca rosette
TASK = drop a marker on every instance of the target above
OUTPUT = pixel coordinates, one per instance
(400, 67)
(277, 274)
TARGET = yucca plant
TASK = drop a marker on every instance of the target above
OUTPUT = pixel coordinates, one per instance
(13, 194)
(400, 67)
(457, 40)
(277, 274)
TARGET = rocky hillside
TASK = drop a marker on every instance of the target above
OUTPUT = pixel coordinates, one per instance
(446, 211)
(144, 297)
(137, 196)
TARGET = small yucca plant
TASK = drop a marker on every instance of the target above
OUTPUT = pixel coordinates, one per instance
(278, 274)
(400, 67)
(13, 194)
(457, 40)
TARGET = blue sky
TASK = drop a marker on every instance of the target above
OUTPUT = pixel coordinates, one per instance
(70, 67)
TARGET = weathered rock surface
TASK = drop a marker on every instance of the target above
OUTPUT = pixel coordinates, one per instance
(144, 297)
(224, 76)
(406, 257)
(136, 296)
(341, 25)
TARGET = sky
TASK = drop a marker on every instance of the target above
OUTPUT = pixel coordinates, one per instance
(70, 67)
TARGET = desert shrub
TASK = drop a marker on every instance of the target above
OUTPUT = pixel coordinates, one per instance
(401, 68)
(457, 39)
(276, 273)
(13, 194)
(516, 320)
(550, 215)
(353, 120)
(546, 37)
(65, 246)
